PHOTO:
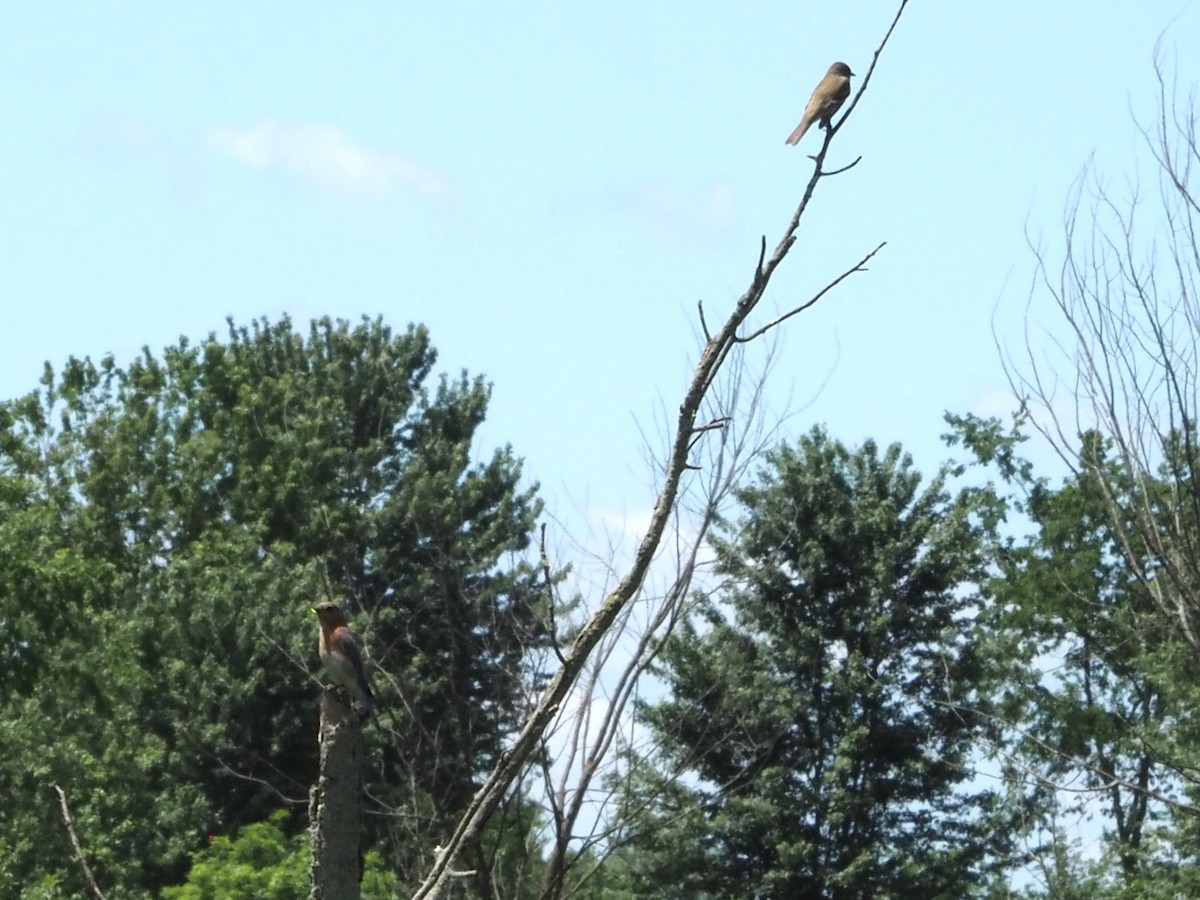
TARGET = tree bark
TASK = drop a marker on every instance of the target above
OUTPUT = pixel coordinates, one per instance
(335, 805)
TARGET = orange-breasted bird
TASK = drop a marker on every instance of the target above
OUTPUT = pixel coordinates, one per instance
(827, 98)
(339, 654)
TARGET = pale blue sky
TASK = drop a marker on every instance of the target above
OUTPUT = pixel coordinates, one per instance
(551, 187)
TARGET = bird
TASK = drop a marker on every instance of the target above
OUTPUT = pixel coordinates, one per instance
(338, 649)
(827, 98)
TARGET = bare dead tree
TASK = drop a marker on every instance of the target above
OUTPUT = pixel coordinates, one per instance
(579, 766)
(335, 807)
(1125, 362)
(688, 432)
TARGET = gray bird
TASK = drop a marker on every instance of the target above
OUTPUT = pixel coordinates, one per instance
(826, 100)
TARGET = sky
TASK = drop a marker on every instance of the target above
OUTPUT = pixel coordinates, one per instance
(551, 188)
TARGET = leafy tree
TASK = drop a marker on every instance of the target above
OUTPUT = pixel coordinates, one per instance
(1101, 685)
(263, 863)
(813, 742)
(167, 525)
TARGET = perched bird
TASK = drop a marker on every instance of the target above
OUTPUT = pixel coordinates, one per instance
(826, 100)
(340, 655)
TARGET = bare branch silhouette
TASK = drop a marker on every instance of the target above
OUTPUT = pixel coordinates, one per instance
(610, 613)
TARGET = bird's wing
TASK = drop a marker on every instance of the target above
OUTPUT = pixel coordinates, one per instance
(343, 640)
(840, 96)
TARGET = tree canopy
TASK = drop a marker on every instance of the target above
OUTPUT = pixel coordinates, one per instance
(168, 523)
(811, 739)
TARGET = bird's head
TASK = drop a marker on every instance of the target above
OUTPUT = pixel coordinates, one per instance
(330, 614)
(840, 68)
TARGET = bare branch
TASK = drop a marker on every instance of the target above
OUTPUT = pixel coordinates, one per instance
(1127, 291)
(550, 588)
(860, 266)
(715, 352)
(862, 87)
(600, 718)
(87, 872)
(846, 168)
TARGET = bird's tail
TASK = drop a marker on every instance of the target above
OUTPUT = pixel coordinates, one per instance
(367, 700)
(794, 137)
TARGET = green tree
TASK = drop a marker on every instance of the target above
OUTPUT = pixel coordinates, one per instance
(812, 740)
(264, 863)
(1100, 690)
(166, 527)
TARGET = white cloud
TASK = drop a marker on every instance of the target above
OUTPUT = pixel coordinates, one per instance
(709, 209)
(326, 157)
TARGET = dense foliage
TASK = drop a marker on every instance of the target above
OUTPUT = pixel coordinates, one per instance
(815, 738)
(1099, 688)
(895, 689)
(166, 526)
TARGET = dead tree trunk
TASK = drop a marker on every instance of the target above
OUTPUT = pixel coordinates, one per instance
(335, 804)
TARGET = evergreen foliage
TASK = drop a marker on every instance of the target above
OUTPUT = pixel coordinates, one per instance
(813, 739)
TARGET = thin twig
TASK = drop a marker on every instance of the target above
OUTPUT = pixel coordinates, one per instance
(703, 322)
(87, 872)
(862, 87)
(829, 172)
(860, 266)
(550, 590)
(531, 733)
